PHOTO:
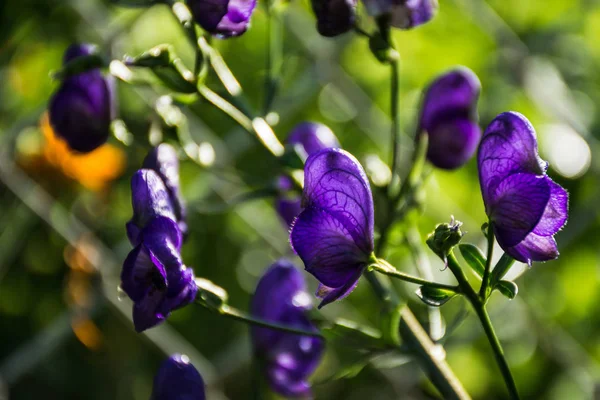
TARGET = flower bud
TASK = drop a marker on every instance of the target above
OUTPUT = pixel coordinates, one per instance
(178, 379)
(83, 108)
(222, 18)
(404, 14)
(334, 17)
(444, 238)
(449, 117)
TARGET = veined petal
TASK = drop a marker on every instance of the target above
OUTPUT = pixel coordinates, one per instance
(336, 182)
(329, 295)
(556, 212)
(509, 146)
(534, 248)
(326, 247)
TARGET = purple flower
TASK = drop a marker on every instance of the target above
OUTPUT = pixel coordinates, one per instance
(524, 205)
(308, 138)
(404, 14)
(154, 276)
(334, 17)
(288, 359)
(223, 18)
(449, 116)
(334, 233)
(177, 379)
(163, 159)
(149, 198)
(83, 108)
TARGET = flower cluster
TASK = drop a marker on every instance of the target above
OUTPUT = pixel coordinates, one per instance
(525, 207)
(153, 274)
(449, 116)
(307, 138)
(83, 108)
(177, 379)
(333, 235)
(288, 359)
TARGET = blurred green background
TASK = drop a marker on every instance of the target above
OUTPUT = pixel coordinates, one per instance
(66, 334)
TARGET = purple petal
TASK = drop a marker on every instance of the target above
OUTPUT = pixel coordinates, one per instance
(177, 379)
(142, 272)
(329, 295)
(327, 248)
(149, 198)
(452, 95)
(182, 288)
(78, 50)
(336, 182)
(163, 159)
(452, 143)
(508, 146)
(147, 312)
(162, 236)
(534, 248)
(313, 137)
(223, 18)
(517, 206)
(413, 13)
(556, 212)
(280, 293)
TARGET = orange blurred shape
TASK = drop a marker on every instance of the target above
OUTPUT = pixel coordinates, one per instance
(87, 332)
(93, 170)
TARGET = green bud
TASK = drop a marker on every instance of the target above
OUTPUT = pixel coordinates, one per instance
(444, 238)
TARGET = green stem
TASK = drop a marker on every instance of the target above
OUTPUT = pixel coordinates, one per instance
(395, 112)
(239, 315)
(479, 306)
(226, 107)
(274, 54)
(427, 353)
(386, 268)
(484, 318)
(485, 283)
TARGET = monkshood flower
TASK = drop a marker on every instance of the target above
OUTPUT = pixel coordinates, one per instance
(449, 116)
(154, 276)
(334, 233)
(223, 18)
(404, 14)
(178, 379)
(308, 138)
(83, 107)
(288, 359)
(163, 159)
(334, 17)
(525, 207)
(150, 198)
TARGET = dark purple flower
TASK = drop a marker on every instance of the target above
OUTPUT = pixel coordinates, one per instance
(334, 233)
(404, 14)
(288, 359)
(83, 108)
(177, 379)
(154, 276)
(288, 203)
(149, 198)
(524, 205)
(223, 18)
(449, 116)
(334, 17)
(163, 159)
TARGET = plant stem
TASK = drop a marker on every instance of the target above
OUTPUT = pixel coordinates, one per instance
(274, 56)
(226, 107)
(479, 306)
(428, 354)
(386, 268)
(395, 112)
(239, 315)
(485, 282)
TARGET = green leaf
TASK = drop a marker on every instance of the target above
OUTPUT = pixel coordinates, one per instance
(474, 257)
(508, 289)
(351, 334)
(434, 297)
